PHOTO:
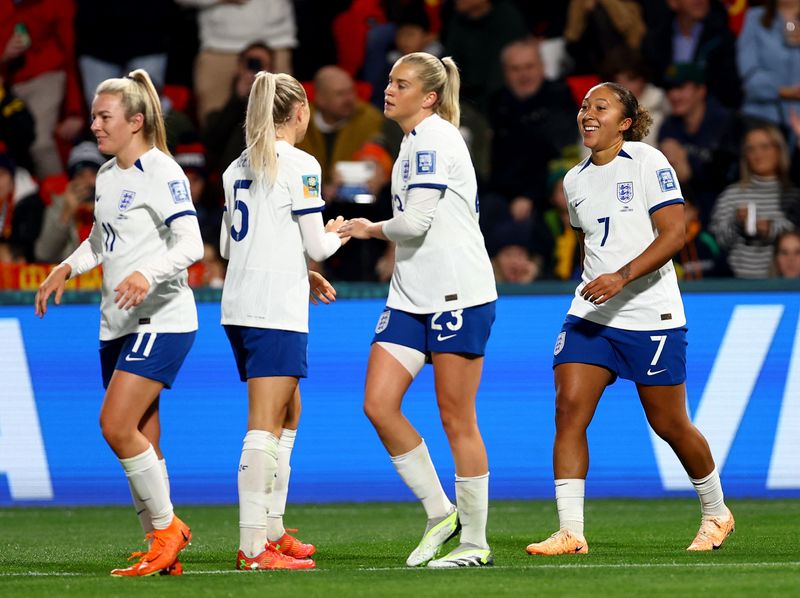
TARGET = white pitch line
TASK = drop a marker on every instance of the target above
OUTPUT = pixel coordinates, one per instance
(760, 565)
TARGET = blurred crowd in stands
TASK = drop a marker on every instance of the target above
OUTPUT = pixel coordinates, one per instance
(721, 79)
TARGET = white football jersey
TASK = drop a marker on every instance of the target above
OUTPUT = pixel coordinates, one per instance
(133, 210)
(266, 285)
(612, 205)
(447, 268)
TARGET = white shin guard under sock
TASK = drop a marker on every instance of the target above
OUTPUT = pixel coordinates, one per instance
(709, 491)
(146, 479)
(416, 469)
(141, 509)
(569, 501)
(472, 499)
(280, 491)
(257, 467)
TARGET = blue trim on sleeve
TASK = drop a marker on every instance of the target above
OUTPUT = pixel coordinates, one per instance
(428, 186)
(307, 211)
(665, 204)
(623, 154)
(585, 165)
(169, 220)
(138, 164)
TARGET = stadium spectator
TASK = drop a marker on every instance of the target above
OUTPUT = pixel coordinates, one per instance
(532, 120)
(630, 70)
(751, 213)
(768, 57)
(340, 124)
(596, 27)
(787, 255)
(696, 31)
(565, 260)
(38, 57)
(149, 318)
(701, 256)
(513, 259)
(699, 137)
(476, 34)
(132, 48)
(442, 272)
(226, 27)
(265, 302)
(609, 329)
(21, 208)
(69, 217)
(223, 133)
(17, 130)
(190, 156)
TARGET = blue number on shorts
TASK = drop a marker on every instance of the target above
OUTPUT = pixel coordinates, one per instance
(605, 221)
(238, 204)
(110, 236)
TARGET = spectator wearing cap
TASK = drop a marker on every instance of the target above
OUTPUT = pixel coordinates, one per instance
(699, 138)
(696, 31)
(192, 158)
(21, 208)
(68, 219)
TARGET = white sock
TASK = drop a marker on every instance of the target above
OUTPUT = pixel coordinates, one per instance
(141, 508)
(257, 468)
(569, 501)
(146, 479)
(277, 500)
(472, 498)
(709, 491)
(417, 471)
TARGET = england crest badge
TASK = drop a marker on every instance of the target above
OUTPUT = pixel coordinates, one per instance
(625, 191)
(125, 200)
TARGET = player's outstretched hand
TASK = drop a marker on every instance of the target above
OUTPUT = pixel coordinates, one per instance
(321, 289)
(356, 228)
(54, 283)
(603, 288)
(335, 226)
(131, 291)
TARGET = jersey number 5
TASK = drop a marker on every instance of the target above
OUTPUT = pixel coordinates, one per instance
(241, 207)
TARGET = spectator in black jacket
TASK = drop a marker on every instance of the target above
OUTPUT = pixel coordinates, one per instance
(697, 31)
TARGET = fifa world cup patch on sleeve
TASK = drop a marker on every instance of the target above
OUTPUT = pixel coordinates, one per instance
(426, 162)
(179, 191)
(666, 179)
(310, 186)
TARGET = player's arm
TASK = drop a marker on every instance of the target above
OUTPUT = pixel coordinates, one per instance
(413, 222)
(88, 255)
(188, 248)
(671, 238)
(320, 242)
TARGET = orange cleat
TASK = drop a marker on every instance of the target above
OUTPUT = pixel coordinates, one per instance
(561, 542)
(175, 568)
(290, 545)
(271, 559)
(712, 532)
(165, 546)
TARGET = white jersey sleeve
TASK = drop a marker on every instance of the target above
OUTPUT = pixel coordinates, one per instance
(661, 184)
(303, 176)
(171, 198)
(429, 165)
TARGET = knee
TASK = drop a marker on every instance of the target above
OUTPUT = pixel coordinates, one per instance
(114, 434)
(669, 429)
(378, 413)
(568, 410)
(457, 424)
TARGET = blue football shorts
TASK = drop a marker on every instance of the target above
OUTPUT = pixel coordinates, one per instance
(154, 355)
(267, 352)
(459, 331)
(650, 357)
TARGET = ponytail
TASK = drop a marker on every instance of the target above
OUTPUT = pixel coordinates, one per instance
(273, 97)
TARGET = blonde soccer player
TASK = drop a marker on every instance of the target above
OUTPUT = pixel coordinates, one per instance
(145, 235)
(626, 319)
(441, 306)
(272, 222)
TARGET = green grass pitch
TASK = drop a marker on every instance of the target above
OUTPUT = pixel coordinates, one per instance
(637, 548)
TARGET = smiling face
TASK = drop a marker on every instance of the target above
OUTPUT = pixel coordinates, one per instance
(405, 102)
(114, 132)
(601, 120)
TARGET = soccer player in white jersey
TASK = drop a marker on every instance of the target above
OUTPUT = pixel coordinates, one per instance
(145, 235)
(626, 319)
(272, 219)
(441, 305)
